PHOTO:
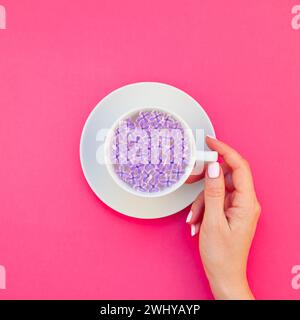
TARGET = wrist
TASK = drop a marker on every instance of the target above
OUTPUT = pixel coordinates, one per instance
(236, 288)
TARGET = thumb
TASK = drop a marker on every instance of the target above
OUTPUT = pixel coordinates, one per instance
(214, 193)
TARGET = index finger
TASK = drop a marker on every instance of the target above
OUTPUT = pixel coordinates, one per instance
(241, 173)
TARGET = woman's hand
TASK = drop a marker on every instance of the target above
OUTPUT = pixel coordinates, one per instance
(226, 214)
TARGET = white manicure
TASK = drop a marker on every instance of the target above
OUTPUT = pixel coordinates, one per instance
(208, 135)
(213, 169)
(195, 229)
(189, 217)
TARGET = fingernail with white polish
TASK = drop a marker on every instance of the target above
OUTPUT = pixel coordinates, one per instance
(213, 169)
(208, 135)
(189, 217)
(195, 229)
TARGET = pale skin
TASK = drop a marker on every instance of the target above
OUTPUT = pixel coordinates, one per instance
(225, 216)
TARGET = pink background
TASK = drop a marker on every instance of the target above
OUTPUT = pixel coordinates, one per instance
(58, 58)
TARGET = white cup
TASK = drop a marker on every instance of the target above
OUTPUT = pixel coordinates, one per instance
(197, 157)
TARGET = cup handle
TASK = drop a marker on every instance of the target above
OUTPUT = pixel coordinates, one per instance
(203, 157)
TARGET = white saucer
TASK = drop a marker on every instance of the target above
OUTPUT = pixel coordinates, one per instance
(105, 114)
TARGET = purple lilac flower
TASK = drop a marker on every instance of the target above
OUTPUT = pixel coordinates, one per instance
(130, 179)
(150, 162)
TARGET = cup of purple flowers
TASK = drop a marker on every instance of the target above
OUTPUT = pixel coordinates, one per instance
(150, 152)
